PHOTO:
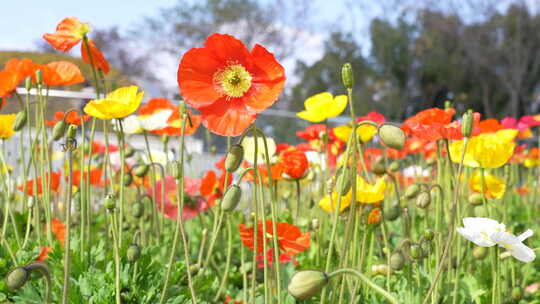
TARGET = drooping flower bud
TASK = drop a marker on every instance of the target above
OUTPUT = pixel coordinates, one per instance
(378, 166)
(467, 123)
(347, 76)
(59, 130)
(20, 120)
(128, 179)
(476, 199)
(344, 180)
(17, 278)
(412, 191)
(306, 284)
(71, 131)
(479, 252)
(393, 212)
(394, 166)
(423, 200)
(416, 252)
(234, 158)
(137, 210)
(392, 136)
(231, 198)
(133, 253)
(397, 261)
(429, 235)
(141, 170)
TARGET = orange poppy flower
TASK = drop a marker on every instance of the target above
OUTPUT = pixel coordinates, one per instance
(291, 240)
(98, 60)
(295, 163)
(8, 83)
(72, 118)
(22, 68)
(54, 184)
(69, 32)
(229, 84)
(95, 177)
(59, 230)
(374, 217)
(43, 254)
(433, 124)
(175, 122)
(212, 187)
(489, 125)
(62, 73)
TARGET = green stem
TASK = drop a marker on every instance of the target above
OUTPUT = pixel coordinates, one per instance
(366, 281)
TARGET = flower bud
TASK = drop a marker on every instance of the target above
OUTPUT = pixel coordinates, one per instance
(176, 169)
(423, 200)
(374, 217)
(517, 294)
(234, 158)
(344, 180)
(315, 224)
(39, 76)
(28, 83)
(109, 202)
(394, 166)
(397, 260)
(129, 152)
(393, 212)
(165, 139)
(429, 235)
(416, 252)
(17, 278)
(476, 199)
(141, 170)
(137, 210)
(479, 252)
(392, 136)
(412, 191)
(71, 131)
(59, 130)
(347, 75)
(380, 269)
(20, 120)
(378, 166)
(467, 123)
(306, 284)
(133, 253)
(128, 179)
(448, 104)
(231, 198)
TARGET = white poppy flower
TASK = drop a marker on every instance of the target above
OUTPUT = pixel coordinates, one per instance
(155, 121)
(248, 143)
(514, 244)
(130, 125)
(479, 230)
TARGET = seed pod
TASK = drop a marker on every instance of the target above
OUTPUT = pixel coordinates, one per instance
(17, 278)
(394, 166)
(129, 152)
(412, 191)
(141, 170)
(109, 202)
(416, 252)
(480, 253)
(306, 284)
(344, 179)
(347, 76)
(392, 136)
(476, 199)
(20, 120)
(378, 166)
(59, 130)
(423, 200)
(467, 123)
(137, 210)
(234, 158)
(28, 83)
(128, 179)
(231, 198)
(397, 261)
(133, 253)
(71, 131)
(429, 235)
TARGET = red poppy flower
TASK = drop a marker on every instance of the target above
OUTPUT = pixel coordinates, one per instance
(312, 132)
(212, 187)
(283, 258)
(54, 184)
(155, 105)
(72, 118)
(43, 254)
(8, 83)
(98, 60)
(489, 125)
(59, 230)
(95, 177)
(291, 240)
(432, 124)
(62, 73)
(69, 32)
(374, 217)
(229, 84)
(276, 170)
(99, 148)
(523, 190)
(295, 163)
(376, 117)
(169, 207)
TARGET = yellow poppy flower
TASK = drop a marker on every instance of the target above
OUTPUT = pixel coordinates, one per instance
(328, 204)
(488, 150)
(495, 187)
(367, 193)
(117, 104)
(6, 125)
(323, 106)
(364, 132)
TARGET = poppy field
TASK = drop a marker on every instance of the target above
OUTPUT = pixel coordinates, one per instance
(439, 208)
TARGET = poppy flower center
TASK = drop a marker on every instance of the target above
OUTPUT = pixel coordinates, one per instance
(233, 81)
